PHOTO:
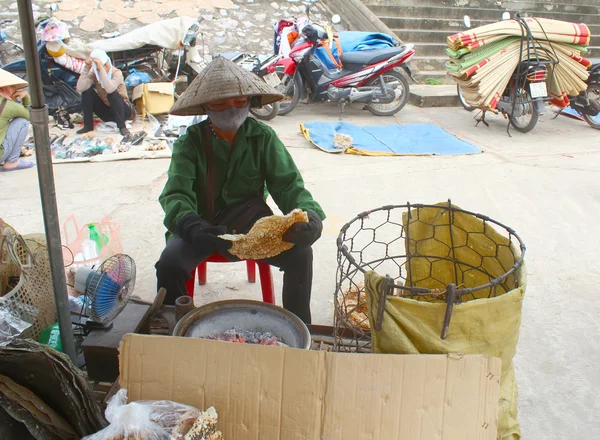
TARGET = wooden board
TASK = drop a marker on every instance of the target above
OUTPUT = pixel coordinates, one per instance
(101, 347)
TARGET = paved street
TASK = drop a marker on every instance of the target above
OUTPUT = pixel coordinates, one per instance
(543, 184)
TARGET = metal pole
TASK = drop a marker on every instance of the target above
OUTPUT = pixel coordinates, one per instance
(39, 119)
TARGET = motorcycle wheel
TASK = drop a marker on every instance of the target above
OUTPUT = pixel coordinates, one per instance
(292, 91)
(401, 99)
(593, 92)
(462, 100)
(266, 112)
(529, 118)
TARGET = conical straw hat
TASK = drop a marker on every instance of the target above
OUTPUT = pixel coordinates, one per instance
(223, 79)
(8, 79)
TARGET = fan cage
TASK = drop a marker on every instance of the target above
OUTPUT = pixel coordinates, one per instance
(378, 240)
(104, 300)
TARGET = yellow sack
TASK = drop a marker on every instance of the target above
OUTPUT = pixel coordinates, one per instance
(486, 322)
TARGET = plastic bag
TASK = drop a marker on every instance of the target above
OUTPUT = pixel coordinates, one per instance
(136, 78)
(11, 324)
(145, 419)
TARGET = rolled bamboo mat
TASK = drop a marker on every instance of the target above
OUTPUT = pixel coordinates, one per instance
(483, 60)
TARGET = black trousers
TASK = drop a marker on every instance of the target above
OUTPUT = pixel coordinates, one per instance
(178, 260)
(118, 112)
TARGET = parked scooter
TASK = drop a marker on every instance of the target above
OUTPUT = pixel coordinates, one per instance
(365, 76)
(260, 66)
(523, 100)
(587, 103)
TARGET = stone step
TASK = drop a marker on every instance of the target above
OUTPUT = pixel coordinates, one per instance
(440, 76)
(451, 25)
(454, 25)
(430, 49)
(439, 36)
(422, 35)
(594, 51)
(434, 96)
(439, 50)
(474, 13)
(429, 64)
(507, 5)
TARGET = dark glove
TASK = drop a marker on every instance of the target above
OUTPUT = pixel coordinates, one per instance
(304, 234)
(196, 231)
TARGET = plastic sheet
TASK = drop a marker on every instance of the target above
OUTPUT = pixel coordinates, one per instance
(136, 78)
(88, 147)
(146, 419)
(11, 324)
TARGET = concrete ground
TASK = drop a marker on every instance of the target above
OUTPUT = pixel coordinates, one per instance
(543, 184)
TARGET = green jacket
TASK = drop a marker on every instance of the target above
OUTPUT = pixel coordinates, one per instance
(257, 157)
(11, 111)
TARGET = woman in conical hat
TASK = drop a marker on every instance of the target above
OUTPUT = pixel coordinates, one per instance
(14, 121)
(245, 158)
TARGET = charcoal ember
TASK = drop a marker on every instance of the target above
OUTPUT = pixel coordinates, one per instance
(248, 337)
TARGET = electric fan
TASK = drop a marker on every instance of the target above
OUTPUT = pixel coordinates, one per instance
(107, 289)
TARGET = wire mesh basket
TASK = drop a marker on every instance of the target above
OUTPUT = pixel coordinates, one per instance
(417, 246)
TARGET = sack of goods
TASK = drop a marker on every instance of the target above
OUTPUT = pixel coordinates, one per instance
(483, 60)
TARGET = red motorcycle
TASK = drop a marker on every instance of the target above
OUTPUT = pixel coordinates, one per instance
(365, 76)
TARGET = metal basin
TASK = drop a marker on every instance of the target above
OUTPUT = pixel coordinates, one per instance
(220, 316)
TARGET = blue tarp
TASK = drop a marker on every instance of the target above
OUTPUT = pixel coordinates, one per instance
(353, 42)
(390, 140)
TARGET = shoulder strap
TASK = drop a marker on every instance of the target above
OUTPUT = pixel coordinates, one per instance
(3, 104)
(210, 174)
(339, 49)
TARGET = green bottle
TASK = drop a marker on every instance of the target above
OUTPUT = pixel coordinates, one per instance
(95, 236)
(51, 336)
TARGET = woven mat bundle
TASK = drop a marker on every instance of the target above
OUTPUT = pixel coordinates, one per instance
(482, 60)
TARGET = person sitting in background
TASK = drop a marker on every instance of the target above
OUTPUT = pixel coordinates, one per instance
(14, 121)
(104, 93)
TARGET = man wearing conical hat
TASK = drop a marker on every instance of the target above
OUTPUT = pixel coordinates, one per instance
(219, 174)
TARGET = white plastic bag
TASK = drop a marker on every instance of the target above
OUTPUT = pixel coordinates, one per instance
(11, 322)
(145, 419)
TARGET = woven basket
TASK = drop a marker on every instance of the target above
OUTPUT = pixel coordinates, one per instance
(26, 258)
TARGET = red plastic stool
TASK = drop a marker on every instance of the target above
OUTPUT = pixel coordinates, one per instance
(264, 270)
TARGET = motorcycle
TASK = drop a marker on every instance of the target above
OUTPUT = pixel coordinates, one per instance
(587, 103)
(260, 66)
(523, 100)
(366, 76)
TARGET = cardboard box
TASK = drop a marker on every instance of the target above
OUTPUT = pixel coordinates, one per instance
(155, 98)
(272, 393)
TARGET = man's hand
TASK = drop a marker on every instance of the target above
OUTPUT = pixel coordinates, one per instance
(304, 234)
(19, 95)
(197, 232)
(207, 240)
(88, 62)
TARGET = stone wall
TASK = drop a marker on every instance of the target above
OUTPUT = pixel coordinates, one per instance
(228, 25)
